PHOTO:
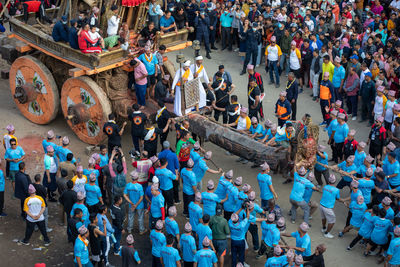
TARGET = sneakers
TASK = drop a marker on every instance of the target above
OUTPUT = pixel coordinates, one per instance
(3, 214)
(271, 82)
(314, 98)
(348, 248)
(236, 50)
(116, 253)
(245, 265)
(354, 118)
(245, 161)
(293, 221)
(329, 235)
(47, 243)
(178, 203)
(49, 230)
(243, 72)
(322, 123)
(109, 265)
(24, 243)
(323, 230)
(340, 234)
(277, 85)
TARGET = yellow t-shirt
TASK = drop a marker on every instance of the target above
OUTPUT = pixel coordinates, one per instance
(328, 68)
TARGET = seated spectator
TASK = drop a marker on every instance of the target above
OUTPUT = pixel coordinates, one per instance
(73, 34)
(148, 33)
(35, 7)
(82, 20)
(115, 42)
(95, 36)
(113, 22)
(167, 23)
(86, 44)
(124, 32)
(163, 90)
(93, 20)
(180, 17)
(60, 30)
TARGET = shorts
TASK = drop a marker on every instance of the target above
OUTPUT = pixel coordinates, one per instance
(12, 175)
(220, 246)
(327, 214)
(151, 79)
(95, 258)
(297, 73)
(393, 265)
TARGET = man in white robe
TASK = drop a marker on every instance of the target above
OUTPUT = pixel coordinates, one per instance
(200, 72)
(186, 75)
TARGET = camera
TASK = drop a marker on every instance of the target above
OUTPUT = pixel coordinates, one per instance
(245, 203)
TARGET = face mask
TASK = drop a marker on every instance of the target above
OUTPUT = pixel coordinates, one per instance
(209, 9)
(368, 31)
(178, 1)
(343, 30)
(251, 8)
(368, 17)
(225, 12)
(367, 9)
(64, 22)
(254, 29)
(80, 17)
(350, 33)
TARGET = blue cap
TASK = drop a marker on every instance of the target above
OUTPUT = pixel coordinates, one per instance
(354, 56)
(368, 74)
(64, 18)
(209, 4)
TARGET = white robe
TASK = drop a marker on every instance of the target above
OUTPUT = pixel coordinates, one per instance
(178, 101)
(203, 77)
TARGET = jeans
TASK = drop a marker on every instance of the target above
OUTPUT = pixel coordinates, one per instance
(342, 183)
(314, 77)
(237, 250)
(131, 219)
(303, 205)
(46, 217)
(156, 262)
(89, 264)
(226, 37)
(186, 201)
(141, 93)
(117, 235)
(273, 68)
(253, 229)
(259, 54)
(352, 105)
(264, 203)
(337, 95)
(30, 227)
(212, 38)
(284, 63)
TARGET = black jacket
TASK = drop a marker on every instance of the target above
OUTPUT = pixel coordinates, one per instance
(22, 182)
(68, 199)
(117, 217)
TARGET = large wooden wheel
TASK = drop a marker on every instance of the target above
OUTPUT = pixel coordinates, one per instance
(34, 90)
(86, 107)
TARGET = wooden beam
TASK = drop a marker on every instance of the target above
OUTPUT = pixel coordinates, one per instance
(76, 72)
(22, 48)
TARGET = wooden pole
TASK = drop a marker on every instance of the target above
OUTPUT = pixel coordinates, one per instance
(4, 8)
(129, 17)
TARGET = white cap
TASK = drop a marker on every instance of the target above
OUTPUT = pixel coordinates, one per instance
(187, 63)
(199, 58)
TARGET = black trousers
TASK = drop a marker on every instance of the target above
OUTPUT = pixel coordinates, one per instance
(163, 137)
(169, 197)
(375, 150)
(253, 229)
(156, 262)
(135, 141)
(212, 42)
(186, 201)
(176, 190)
(235, 37)
(30, 227)
(349, 215)
(188, 264)
(366, 111)
(355, 240)
(250, 54)
(224, 114)
(23, 213)
(294, 109)
(226, 37)
(1, 201)
(338, 152)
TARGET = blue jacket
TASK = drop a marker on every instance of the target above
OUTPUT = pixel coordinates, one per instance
(60, 32)
(253, 38)
(22, 182)
(73, 38)
(202, 25)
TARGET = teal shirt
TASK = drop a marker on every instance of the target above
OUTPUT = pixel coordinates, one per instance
(226, 19)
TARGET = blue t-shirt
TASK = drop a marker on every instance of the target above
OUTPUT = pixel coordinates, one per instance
(188, 245)
(188, 181)
(158, 242)
(157, 202)
(222, 186)
(166, 177)
(164, 22)
(389, 212)
(257, 209)
(269, 134)
(323, 161)
(392, 168)
(203, 231)
(272, 235)
(257, 130)
(2, 181)
(342, 130)
(354, 195)
(338, 76)
(332, 127)
(85, 212)
(134, 191)
(382, 227)
(239, 229)
(110, 229)
(277, 261)
(226, 19)
(343, 166)
(200, 169)
(81, 251)
(149, 62)
(264, 181)
(171, 226)
(45, 144)
(103, 160)
(394, 250)
(367, 225)
(210, 201)
(366, 186)
(329, 196)
(205, 257)
(299, 186)
(16, 153)
(62, 153)
(307, 194)
(358, 212)
(233, 201)
(195, 214)
(359, 158)
(302, 242)
(363, 169)
(194, 155)
(172, 159)
(170, 256)
(87, 173)
(93, 193)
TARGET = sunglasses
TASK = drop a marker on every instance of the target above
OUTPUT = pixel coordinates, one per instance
(13, 144)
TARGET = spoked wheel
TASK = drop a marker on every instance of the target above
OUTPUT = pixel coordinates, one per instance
(34, 90)
(86, 107)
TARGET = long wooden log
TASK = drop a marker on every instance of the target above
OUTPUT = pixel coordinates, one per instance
(236, 143)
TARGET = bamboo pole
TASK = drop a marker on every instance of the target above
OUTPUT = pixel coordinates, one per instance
(129, 17)
(4, 8)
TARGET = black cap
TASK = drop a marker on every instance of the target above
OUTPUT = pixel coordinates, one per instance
(218, 209)
(221, 67)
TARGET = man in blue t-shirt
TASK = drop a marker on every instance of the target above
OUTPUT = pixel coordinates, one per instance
(267, 191)
(166, 177)
(188, 245)
(394, 248)
(151, 63)
(349, 168)
(170, 255)
(133, 194)
(167, 23)
(205, 257)
(303, 240)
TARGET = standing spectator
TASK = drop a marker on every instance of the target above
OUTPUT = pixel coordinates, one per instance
(338, 79)
(166, 177)
(253, 38)
(202, 24)
(6, 144)
(106, 228)
(138, 119)
(151, 63)
(113, 22)
(51, 169)
(315, 71)
(326, 92)
(117, 216)
(292, 93)
(41, 192)
(22, 182)
(306, 58)
(282, 109)
(285, 44)
(94, 238)
(113, 132)
(154, 13)
(162, 118)
(14, 155)
(351, 87)
(327, 66)
(68, 198)
(377, 138)
(226, 29)
(367, 93)
(273, 55)
(140, 82)
(34, 206)
(129, 254)
(134, 195)
(2, 187)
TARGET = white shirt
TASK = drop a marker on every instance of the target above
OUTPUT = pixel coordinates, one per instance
(202, 74)
(273, 53)
(34, 205)
(378, 107)
(389, 111)
(112, 23)
(94, 36)
(362, 76)
(242, 123)
(294, 60)
(80, 185)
